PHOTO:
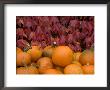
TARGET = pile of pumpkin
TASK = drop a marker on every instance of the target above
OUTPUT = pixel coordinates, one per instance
(54, 60)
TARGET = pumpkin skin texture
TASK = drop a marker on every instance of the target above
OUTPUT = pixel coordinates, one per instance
(87, 57)
(88, 69)
(23, 59)
(35, 53)
(52, 71)
(43, 64)
(73, 69)
(27, 70)
(62, 56)
(18, 50)
(47, 52)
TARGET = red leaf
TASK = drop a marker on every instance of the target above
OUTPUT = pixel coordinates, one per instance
(22, 44)
(20, 33)
(70, 38)
(74, 23)
(32, 36)
(62, 40)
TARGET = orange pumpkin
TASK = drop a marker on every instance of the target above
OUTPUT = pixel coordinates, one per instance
(44, 63)
(27, 70)
(35, 53)
(23, 59)
(47, 52)
(88, 69)
(87, 57)
(62, 56)
(73, 69)
(18, 50)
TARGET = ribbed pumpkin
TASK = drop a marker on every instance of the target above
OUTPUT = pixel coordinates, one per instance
(27, 70)
(23, 59)
(43, 64)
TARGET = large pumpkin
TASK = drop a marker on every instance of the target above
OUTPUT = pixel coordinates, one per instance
(87, 57)
(62, 56)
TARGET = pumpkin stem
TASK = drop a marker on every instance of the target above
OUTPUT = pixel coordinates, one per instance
(54, 44)
(27, 48)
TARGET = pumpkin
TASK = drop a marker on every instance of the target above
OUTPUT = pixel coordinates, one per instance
(18, 50)
(62, 56)
(47, 52)
(73, 69)
(43, 64)
(35, 53)
(23, 59)
(27, 70)
(88, 69)
(87, 57)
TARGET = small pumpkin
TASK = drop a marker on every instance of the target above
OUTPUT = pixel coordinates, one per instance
(27, 70)
(35, 53)
(47, 52)
(43, 64)
(87, 57)
(88, 69)
(23, 59)
(73, 69)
